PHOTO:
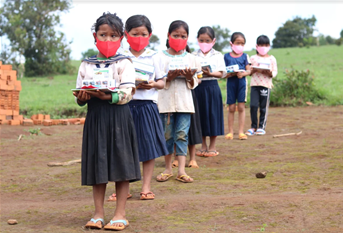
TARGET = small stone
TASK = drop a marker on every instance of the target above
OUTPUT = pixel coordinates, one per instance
(12, 221)
(261, 174)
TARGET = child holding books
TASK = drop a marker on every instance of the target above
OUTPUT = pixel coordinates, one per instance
(150, 135)
(175, 101)
(264, 68)
(109, 144)
(238, 67)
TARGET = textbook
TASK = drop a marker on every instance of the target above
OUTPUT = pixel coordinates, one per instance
(207, 66)
(260, 68)
(92, 88)
(233, 69)
(143, 72)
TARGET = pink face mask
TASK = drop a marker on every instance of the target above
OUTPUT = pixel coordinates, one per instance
(205, 47)
(238, 49)
(262, 50)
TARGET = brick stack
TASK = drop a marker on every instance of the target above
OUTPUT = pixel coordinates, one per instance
(9, 96)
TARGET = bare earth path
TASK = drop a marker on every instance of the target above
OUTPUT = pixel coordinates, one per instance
(303, 190)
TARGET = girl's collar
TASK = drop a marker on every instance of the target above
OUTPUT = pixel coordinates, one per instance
(94, 59)
(169, 55)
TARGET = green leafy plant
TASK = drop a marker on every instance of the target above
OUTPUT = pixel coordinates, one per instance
(34, 131)
(263, 227)
(295, 89)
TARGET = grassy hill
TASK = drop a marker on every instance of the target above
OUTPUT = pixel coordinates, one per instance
(52, 95)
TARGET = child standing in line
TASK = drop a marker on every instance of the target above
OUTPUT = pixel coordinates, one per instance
(264, 68)
(149, 129)
(208, 92)
(109, 144)
(238, 67)
(175, 101)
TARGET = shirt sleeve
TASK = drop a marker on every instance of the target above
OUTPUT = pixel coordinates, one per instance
(126, 72)
(274, 66)
(159, 67)
(247, 61)
(80, 76)
(221, 64)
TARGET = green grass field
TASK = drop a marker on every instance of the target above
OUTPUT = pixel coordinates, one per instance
(52, 95)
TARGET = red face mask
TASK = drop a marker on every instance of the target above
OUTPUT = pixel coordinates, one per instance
(177, 44)
(107, 48)
(137, 43)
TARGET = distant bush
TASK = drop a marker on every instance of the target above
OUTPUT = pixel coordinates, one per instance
(295, 90)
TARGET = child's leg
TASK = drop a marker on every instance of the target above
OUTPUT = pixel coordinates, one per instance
(122, 189)
(182, 124)
(254, 104)
(241, 117)
(191, 150)
(212, 146)
(148, 169)
(264, 105)
(232, 109)
(98, 196)
(204, 144)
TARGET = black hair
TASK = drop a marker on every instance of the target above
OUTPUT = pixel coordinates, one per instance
(112, 20)
(235, 35)
(262, 39)
(138, 21)
(206, 30)
(174, 26)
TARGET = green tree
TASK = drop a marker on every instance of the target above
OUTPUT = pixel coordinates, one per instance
(321, 39)
(153, 42)
(89, 53)
(341, 33)
(329, 40)
(30, 27)
(222, 38)
(293, 32)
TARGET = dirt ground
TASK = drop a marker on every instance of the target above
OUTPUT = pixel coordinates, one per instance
(303, 190)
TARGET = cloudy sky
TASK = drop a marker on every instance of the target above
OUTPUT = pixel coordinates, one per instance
(252, 18)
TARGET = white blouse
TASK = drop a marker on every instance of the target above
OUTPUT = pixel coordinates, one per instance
(213, 58)
(152, 58)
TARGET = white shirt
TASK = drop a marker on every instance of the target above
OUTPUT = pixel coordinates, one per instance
(176, 95)
(152, 58)
(213, 58)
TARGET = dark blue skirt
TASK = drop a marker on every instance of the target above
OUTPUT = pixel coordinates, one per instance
(210, 101)
(149, 129)
(109, 144)
(194, 134)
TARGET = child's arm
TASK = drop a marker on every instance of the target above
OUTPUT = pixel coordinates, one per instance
(127, 86)
(159, 82)
(247, 71)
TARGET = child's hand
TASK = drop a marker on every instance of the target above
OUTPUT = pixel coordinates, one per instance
(82, 96)
(99, 94)
(172, 74)
(188, 73)
(206, 71)
(267, 72)
(231, 74)
(146, 86)
(242, 74)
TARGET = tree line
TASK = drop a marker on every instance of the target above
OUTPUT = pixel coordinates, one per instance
(30, 26)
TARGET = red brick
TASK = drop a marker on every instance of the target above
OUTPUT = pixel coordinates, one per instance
(34, 117)
(27, 122)
(37, 122)
(46, 117)
(40, 117)
(47, 122)
(14, 122)
(5, 67)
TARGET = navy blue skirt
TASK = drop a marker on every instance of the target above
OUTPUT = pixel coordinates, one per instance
(149, 129)
(194, 134)
(109, 144)
(210, 101)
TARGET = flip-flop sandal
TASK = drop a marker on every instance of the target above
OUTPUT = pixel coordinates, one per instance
(164, 175)
(184, 179)
(113, 197)
(116, 228)
(242, 136)
(229, 136)
(200, 153)
(93, 223)
(260, 132)
(175, 163)
(211, 153)
(193, 164)
(145, 196)
(250, 132)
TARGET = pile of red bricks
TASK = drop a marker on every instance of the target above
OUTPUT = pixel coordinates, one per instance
(9, 96)
(45, 120)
